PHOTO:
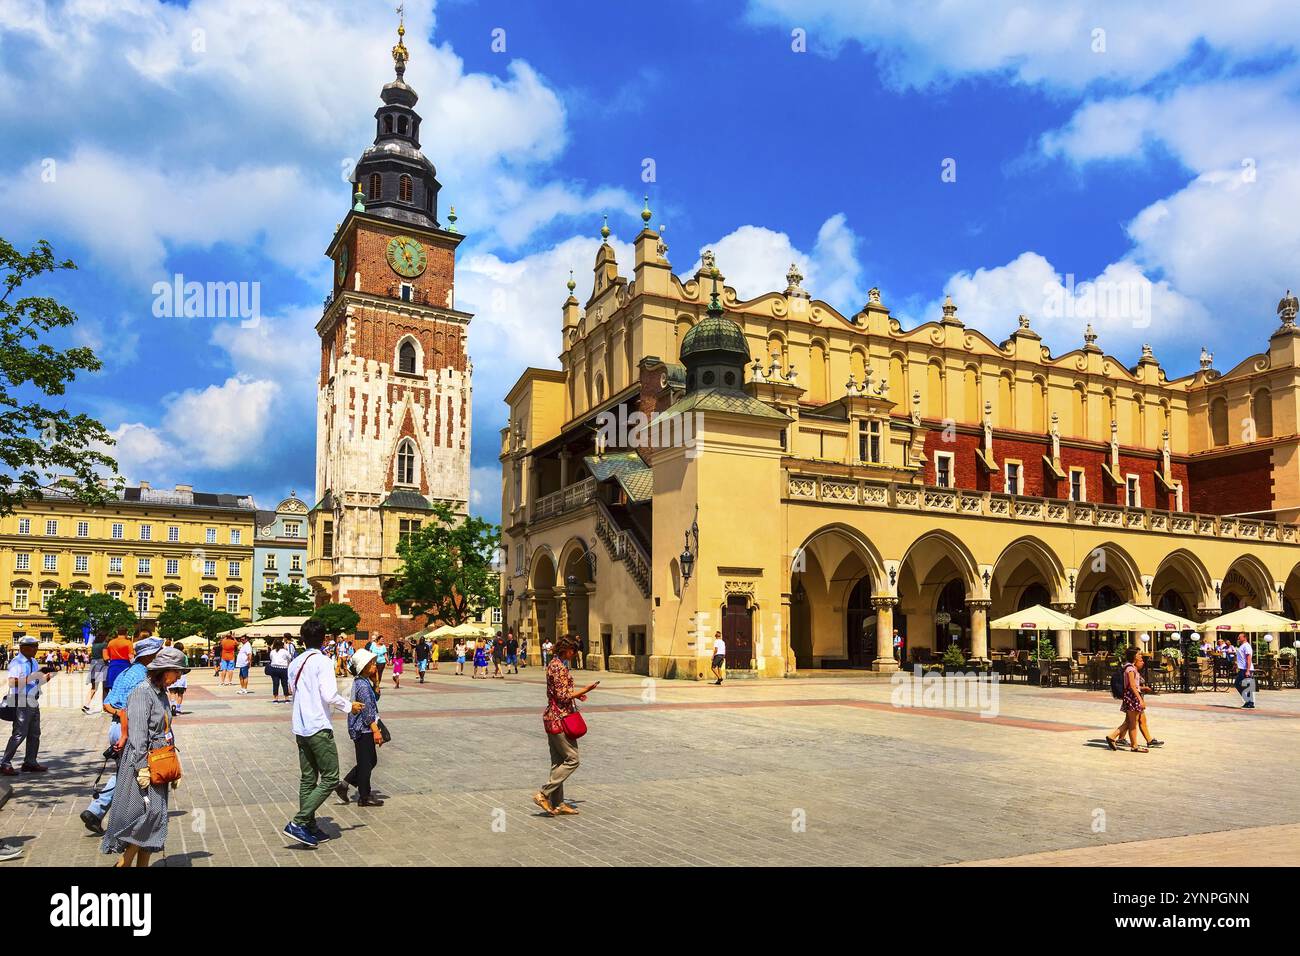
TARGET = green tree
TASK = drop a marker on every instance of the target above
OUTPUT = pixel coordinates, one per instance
(448, 568)
(69, 609)
(285, 600)
(43, 447)
(182, 618)
(337, 618)
(218, 621)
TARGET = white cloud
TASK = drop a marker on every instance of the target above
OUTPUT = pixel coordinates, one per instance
(754, 260)
(1125, 307)
(1050, 42)
(216, 427)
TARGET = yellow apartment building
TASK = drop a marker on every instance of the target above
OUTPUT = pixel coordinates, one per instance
(145, 547)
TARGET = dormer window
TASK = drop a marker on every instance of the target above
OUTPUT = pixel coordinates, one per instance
(406, 358)
(406, 462)
(404, 189)
(374, 185)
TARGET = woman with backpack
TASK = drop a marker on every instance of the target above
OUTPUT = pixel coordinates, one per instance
(1129, 687)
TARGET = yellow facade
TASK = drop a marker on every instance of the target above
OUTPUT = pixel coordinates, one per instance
(145, 551)
(860, 477)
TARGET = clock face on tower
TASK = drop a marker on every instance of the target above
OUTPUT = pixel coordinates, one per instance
(407, 256)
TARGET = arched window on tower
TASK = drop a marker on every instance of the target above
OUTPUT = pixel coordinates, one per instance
(404, 189)
(406, 462)
(388, 124)
(374, 185)
(401, 125)
(406, 358)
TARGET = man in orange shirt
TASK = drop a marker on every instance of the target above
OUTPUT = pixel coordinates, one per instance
(229, 647)
(119, 652)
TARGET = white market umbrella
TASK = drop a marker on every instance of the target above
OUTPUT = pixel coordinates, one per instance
(1250, 620)
(1036, 618)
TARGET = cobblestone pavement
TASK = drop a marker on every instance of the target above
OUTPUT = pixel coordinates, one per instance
(814, 772)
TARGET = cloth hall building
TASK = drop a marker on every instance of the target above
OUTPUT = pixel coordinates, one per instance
(808, 481)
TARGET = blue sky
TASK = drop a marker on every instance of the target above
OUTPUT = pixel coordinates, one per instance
(1148, 148)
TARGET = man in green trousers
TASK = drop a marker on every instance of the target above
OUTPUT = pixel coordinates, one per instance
(315, 694)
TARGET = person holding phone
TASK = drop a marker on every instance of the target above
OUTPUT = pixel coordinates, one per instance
(560, 697)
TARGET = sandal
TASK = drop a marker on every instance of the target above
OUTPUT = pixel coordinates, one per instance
(1139, 750)
(1110, 742)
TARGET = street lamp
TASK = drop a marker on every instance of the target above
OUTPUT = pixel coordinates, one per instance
(510, 595)
(687, 557)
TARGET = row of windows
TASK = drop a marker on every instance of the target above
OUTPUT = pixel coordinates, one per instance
(1013, 483)
(295, 562)
(143, 599)
(405, 189)
(145, 531)
(81, 564)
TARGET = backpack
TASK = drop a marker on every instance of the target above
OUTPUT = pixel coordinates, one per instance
(1117, 683)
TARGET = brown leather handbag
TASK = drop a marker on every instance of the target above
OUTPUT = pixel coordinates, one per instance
(164, 762)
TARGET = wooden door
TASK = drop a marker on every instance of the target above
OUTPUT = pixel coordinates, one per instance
(737, 632)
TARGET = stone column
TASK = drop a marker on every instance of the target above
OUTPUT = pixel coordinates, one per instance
(979, 629)
(884, 606)
(1064, 639)
(561, 613)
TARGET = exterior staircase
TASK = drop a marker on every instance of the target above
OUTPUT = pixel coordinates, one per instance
(623, 545)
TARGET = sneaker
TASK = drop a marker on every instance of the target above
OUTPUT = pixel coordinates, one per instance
(300, 833)
(86, 709)
(92, 822)
(9, 852)
(8, 771)
(33, 768)
(342, 791)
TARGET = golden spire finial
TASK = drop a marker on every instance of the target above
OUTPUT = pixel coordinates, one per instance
(400, 54)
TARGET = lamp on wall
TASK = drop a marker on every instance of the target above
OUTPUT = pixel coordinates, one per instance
(687, 557)
(510, 595)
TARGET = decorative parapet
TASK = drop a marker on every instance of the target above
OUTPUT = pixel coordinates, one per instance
(869, 493)
(566, 499)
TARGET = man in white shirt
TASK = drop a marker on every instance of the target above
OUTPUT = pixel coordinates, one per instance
(1245, 672)
(315, 694)
(23, 694)
(719, 656)
(243, 661)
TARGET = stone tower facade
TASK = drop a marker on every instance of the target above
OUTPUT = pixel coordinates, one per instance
(393, 411)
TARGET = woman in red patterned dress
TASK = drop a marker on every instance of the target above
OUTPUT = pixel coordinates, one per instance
(560, 696)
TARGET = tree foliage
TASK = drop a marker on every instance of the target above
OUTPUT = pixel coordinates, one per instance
(180, 619)
(70, 609)
(43, 447)
(218, 621)
(285, 599)
(448, 568)
(337, 618)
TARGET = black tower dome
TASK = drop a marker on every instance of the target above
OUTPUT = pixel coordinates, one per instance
(395, 179)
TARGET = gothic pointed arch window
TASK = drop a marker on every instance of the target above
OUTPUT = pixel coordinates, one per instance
(374, 185)
(406, 462)
(404, 188)
(406, 357)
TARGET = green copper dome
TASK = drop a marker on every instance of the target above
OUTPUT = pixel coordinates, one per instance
(716, 333)
(715, 352)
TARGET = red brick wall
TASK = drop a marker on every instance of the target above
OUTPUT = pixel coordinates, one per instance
(1232, 483)
(367, 247)
(372, 609)
(1038, 480)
